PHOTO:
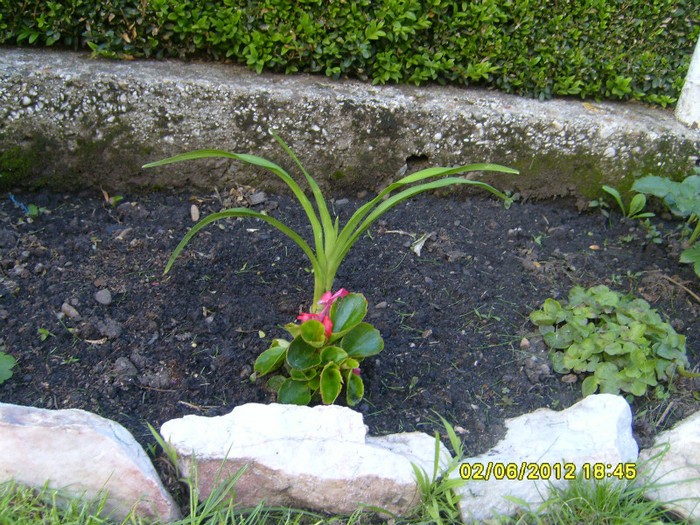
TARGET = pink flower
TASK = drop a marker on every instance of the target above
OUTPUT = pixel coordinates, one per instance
(323, 319)
(327, 299)
(356, 371)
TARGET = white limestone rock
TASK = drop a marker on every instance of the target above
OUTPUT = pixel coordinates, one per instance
(81, 454)
(673, 463)
(597, 429)
(317, 458)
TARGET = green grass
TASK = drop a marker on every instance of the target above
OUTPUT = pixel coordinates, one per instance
(580, 502)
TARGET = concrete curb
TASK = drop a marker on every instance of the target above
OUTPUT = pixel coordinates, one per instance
(72, 121)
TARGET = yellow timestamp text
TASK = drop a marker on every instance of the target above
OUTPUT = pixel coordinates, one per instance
(543, 471)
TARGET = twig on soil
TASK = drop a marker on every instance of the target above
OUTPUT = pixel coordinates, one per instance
(665, 413)
(690, 292)
(196, 407)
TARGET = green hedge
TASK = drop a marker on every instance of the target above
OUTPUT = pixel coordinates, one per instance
(601, 49)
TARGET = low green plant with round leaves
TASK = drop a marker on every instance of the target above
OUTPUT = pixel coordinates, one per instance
(7, 362)
(325, 355)
(683, 200)
(618, 341)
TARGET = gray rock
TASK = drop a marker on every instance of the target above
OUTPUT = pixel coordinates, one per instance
(124, 367)
(81, 454)
(103, 296)
(70, 311)
(317, 458)
(673, 463)
(597, 429)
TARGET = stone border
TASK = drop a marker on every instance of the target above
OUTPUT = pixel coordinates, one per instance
(71, 121)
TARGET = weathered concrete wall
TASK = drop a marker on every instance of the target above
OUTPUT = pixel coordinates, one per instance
(70, 120)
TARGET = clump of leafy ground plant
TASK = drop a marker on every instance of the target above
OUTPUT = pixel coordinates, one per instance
(683, 200)
(618, 341)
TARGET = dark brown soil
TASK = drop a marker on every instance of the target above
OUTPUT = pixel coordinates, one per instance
(453, 319)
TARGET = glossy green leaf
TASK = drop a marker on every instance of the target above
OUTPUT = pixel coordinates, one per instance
(355, 388)
(350, 363)
(347, 312)
(301, 355)
(275, 383)
(362, 341)
(293, 329)
(303, 375)
(333, 353)
(331, 383)
(7, 362)
(313, 332)
(272, 358)
(589, 386)
(692, 256)
(294, 393)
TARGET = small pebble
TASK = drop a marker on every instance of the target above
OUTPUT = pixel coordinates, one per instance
(124, 367)
(103, 296)
(70, 311)
(257, 198)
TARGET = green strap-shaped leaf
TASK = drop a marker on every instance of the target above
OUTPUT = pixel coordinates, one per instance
(347, 237)
(264, 163)
(242, 212)
(410, 179)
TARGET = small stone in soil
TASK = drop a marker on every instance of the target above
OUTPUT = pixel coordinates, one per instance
(70, 311)
(103, 297)
(124, 367)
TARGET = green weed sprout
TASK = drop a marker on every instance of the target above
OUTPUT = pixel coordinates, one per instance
(330, 242)
(634, 211)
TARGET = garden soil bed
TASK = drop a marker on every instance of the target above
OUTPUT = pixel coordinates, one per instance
(453, 318)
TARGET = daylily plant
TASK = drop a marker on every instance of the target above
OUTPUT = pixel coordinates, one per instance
(325, 354)
(331, 244)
